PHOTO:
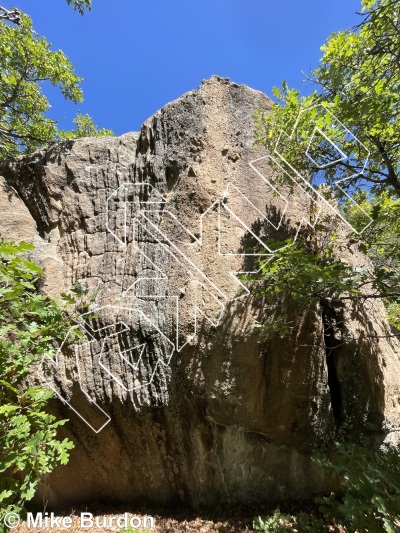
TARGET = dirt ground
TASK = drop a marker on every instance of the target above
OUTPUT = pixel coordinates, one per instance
(224, 519)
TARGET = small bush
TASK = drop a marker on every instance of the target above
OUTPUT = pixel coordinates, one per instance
(369, 500)
(30, 325)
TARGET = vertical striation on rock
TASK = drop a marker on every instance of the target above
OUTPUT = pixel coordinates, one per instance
(193, 404)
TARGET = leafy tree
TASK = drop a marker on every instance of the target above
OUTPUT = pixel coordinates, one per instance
(30, 326)
(344, 140)
(358, 78)
(27, 62)
(308, 272)
(381, 241)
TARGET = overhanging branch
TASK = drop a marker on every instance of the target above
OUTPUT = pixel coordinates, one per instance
(13, 16)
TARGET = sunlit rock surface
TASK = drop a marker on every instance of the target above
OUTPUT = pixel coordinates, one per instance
(177, 397)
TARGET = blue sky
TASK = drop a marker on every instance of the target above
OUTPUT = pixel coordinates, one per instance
(137, 56)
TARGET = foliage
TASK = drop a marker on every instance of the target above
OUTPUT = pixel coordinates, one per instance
(356, 108)
(368, 501)
(308, 272)
(344, 141)
(381, 242)
(14, 15)
(27, 64)
(84, 127)
(306, 277)
(281, 523)
(80, 5)
(31, 324)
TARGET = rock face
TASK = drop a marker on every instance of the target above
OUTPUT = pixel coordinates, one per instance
(174, 396)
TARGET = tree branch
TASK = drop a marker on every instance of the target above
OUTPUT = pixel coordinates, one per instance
(392, 178)
(13, 16)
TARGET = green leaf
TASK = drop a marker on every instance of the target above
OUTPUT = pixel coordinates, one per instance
(29, 324)
(68, 298)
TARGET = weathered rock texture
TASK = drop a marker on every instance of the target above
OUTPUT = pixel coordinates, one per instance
(156, 221)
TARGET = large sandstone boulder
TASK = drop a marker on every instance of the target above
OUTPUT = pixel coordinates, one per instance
(175, 397)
